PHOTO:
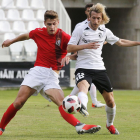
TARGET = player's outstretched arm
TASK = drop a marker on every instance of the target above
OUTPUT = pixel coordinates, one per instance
(21, 37)
(75, 48)
(127, 43)
(67, 59)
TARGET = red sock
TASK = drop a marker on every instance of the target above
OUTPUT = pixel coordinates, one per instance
(68, 117)
(8, 115)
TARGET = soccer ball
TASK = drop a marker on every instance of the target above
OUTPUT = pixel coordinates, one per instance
(71, 104)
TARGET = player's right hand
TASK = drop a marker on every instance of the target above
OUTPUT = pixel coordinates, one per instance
(65, 60)
(6, 43)
(92, 45)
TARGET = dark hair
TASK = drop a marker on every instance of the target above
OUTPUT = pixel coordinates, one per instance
(50, 14)
(88, 5)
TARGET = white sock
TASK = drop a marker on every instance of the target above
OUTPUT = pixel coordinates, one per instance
(83, 98)
(93, 93)
(75, 91)
(110, 114)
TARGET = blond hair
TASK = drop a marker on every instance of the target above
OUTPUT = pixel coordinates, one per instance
(100, 8)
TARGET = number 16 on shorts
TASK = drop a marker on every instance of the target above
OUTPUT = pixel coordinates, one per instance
(79, 76)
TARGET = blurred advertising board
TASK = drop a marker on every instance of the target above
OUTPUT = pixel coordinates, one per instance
(13, 73)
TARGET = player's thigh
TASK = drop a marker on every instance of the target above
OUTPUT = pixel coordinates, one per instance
(24, 93)
(83, 86)
(56, 95)
(83, 79)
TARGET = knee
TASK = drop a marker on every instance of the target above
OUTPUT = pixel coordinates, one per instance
(18, 104)
(110, 103)
(83, 87)
(60, 101)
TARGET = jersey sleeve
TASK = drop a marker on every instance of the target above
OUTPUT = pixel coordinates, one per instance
(111, 38)
(76, 35)
(32, 33)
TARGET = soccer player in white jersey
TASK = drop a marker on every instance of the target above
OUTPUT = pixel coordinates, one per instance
(90, 66)
(92, 91)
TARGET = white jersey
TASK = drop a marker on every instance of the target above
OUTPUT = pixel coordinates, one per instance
(91, 58)
(81, 23)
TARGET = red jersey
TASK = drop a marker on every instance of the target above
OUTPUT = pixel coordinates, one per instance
(51, 48)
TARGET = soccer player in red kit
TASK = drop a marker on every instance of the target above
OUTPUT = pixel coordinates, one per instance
(43, 77)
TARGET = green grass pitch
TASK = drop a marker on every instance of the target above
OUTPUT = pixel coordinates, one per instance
(40, 119)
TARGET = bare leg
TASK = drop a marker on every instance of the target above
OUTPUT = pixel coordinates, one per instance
(23, 94)
(110, 107)
(57, 97)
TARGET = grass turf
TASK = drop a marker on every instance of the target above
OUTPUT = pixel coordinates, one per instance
(40, 119)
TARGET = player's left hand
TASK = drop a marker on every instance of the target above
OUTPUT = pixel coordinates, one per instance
(6, 43)
(65, 60)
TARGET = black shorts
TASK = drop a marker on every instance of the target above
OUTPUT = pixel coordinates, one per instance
(98, 77)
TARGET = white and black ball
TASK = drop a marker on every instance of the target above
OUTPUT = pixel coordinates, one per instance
(71, 104)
